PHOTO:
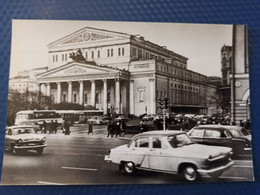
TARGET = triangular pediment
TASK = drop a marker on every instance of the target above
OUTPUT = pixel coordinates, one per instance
(88, 36)
(75, 69)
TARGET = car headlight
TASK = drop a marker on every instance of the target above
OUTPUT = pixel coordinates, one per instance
(19, 141)
(43, 139)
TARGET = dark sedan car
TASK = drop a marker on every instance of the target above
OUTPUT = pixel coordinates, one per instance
(235, 137)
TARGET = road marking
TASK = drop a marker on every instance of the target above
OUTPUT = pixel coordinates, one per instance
(243, 166)
(242, 178)
(50, 183)
(78, 168)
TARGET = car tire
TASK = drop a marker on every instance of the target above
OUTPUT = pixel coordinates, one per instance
(129, 168)
(39, 151)
(189, 173)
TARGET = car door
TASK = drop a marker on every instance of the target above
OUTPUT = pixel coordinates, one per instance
(161, 156)
(216, 138)
(139, 152)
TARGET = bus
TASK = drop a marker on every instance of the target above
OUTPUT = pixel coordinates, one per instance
(84, 115)
(71, 115)
(31, 117)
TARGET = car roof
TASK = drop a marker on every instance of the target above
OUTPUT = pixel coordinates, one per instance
(159, 133)
(20, 126)
(218, 127)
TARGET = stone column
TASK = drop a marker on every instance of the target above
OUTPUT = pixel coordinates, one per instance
(93, 93)
(58, 92)
(117, 106)
(81, 92)
(131, 98)
(48, 89)
(69, 92)
(152, 96)
(105, 96)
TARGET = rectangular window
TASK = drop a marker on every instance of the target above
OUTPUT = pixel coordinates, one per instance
(111, 52)
(65, 57)
(92, 54)
(53, 58)
(62, 57)
(139, 53)
(56, 58)
(119, 51)
(86, 55)
(123, 51)
(108, 53)
(98, 54)
(134, 51)
(141, 96)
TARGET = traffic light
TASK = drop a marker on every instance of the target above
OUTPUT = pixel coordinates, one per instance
(166, 103)
(161, 103)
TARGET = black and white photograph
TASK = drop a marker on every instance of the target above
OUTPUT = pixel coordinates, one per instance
(98, 102)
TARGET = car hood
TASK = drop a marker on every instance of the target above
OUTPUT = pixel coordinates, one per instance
(203, 151)
(28, 137)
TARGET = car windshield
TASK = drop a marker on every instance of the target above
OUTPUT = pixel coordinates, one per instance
(179, 140)
(18, 131)
(238, 132)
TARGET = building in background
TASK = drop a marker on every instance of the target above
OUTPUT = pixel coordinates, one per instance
(240, 96)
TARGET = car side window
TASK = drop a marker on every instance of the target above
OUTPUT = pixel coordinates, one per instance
(157, 142)
(142, 142)
(212, 134)
(197, 133)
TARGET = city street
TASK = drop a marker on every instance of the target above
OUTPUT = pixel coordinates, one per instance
(79, 159)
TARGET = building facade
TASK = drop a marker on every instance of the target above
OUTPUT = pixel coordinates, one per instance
(240, 96)
(121, 73)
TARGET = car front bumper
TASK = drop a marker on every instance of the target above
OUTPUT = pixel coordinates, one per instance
(216, 170)
(30, 147)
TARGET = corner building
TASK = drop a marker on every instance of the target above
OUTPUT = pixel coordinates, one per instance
(121, 73)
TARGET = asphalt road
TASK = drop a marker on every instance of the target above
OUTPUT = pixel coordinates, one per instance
(79, 159)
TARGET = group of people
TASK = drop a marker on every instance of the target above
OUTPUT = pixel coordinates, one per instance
(117, 128)
(51, 127)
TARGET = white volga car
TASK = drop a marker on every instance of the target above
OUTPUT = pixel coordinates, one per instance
(171, 152)
(18, 138)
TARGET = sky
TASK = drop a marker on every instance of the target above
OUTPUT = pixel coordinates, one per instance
(200, 43)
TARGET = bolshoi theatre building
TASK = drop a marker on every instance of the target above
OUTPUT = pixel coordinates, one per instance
(121, 73)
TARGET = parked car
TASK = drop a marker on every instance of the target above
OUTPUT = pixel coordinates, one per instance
(148, 117)
(18, 138)
(235, 137)
(99, 120)
(171, 152)
(122, 118)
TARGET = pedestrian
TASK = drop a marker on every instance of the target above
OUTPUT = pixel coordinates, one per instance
(123, 128)
(90, 128)
(117, 128)
(51, 127)
(55, 126)
(110, 129)
(66, 127)
(44, 125)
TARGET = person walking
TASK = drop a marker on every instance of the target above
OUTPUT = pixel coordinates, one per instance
(44, 126)
(90, 128)
(117, 128)
(123, 128)
(66, 127)
(55, 126)
(110, 129)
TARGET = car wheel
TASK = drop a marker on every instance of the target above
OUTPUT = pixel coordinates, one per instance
(39, 151)
(129, 168)
(190, 173)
